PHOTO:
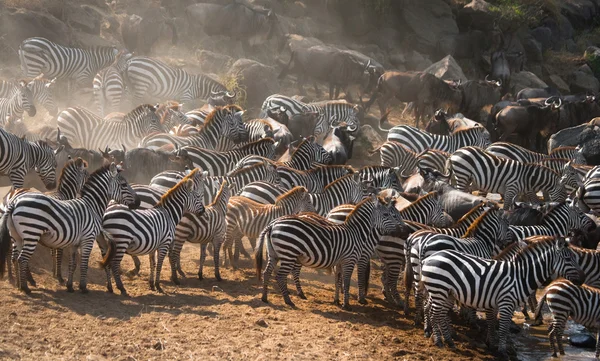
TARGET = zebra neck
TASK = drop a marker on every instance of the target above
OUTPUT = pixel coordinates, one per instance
(34, 151)
(533, 269)
(95, 195)
(360, 220)
(173, 203)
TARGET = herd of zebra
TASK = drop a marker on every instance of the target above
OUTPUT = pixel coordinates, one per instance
(163, 177)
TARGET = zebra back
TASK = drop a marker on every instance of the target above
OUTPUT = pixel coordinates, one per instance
(419, 140)
(394, 154)
(427, 209)
(515, 152)
(307, 153)
(348, 189)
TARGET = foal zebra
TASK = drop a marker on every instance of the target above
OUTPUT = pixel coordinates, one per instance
(564, 299)
(18, 101)
(222, 122)
(39, 55)
(492, 286)
(312, 241)
(510, 178)
(18, 156)
(84, 128)
(419, 140)
(151, 78)
(149, 231)
(74, 224)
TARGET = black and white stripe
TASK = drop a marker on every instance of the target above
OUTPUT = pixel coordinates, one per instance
(419, 140)
(74, 224)
(109, 85)
(20, 100)
(349, 189)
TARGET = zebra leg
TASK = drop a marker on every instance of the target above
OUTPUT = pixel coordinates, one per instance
(347, 269)
(438, 314)
(162, 253)
(217, 242)
(553, 332)
(86, 251)
(115, 266)
(30, 278)
(427, 324)
(271, 261)
(392, 273)
(597, 341)
(72, 265)
(109, 287)
(175, 259)
(490, 317)
(509, 198)
(202, 260)
(560, 329)
(363, 266)
(337, 274)
(24, 248)
(532, 302)
(137, 265)
(506, 313)
(58, 255)
(152, 256)
(10, 258)
(296, 275)
(284, 269)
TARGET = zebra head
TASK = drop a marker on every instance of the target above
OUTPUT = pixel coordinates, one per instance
(316, 150)
(232, 125)
(42, 91)
(119, 190)
(387, 219)
(566, 262)
(577, 219)
(44, 159)
(25, 98)
(194, 191)
(73, 176)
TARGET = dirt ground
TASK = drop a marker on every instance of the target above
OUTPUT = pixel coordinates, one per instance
(206, 320)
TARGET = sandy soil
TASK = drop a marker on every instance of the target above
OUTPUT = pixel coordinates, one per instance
(206, 320)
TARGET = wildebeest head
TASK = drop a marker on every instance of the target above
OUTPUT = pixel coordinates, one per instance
(279, 114)
(496, 83)
(438, 124)
(221, 98)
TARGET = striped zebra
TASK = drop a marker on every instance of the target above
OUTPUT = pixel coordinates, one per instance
(18, 156)
(220, 163)
(151, 78)
(588, 194)
(74, 224)
(222, 122)
(184, 130)
(492, 286)
(566, 299)
(307, 153)
(39, 55)
(515, 152)
(246, 218)
(381, 177)
(559, 220)
(349, 189)
(150, 231)
(198, 116)
(84, 128)
(109, 85)
(330, 113)
(18, 102)
(564, 153)
(434, 159)
(312, 241)
(257, 129)
(205, 228)
(41, 90)
(419, 140)
(70, 182)
(510, 178)
(394, 154)
(485, 238)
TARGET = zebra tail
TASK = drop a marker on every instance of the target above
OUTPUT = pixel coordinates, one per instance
(110, 253)
(538, 311)
(258, 253)
(409, 277)
(287, 67)
(4, 240)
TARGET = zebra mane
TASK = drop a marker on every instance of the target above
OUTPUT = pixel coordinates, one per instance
(210, 118)
(289, 193)
(469, 213)
(332, 166)
(475, 225)
(357, 208)
(303, 142)
(252, 144)
(429, 195)
(542, 167)
(179, 184)
(339, 180)
(506, 251)
(467, 129)
(246, 169)
(539, 242)
(69, 164)
(219, 193)
(581, 250)
(561, 149)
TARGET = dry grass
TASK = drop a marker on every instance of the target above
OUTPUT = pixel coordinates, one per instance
(232, 83)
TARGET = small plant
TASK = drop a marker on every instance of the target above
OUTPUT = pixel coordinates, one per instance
(232, 83)
(529, 12)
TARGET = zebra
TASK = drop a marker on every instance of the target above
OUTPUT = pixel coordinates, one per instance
(485, 238)
(349, 189)
(41, 90)
(151, 78)
(507, 177)
(248, 218)
(382, 177)
(564, 153)
(257, 129)
(39, 55)
(70, 182)
(149, 231)
(564, 299)
(307, 153)
(84, 128)
(559, 220)
(19, 101)
(109, 85)
(222, 122)
(309, 240)
(419, 140)
(220, 163)
(515, 152)
(433, 159)
(74, 224)
(202, 228)
(394, 154)
(198, 116)
(588, 195)
(18, 156)
(493, 286)
(262, 192)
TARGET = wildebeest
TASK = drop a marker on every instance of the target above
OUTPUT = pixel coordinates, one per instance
(141, 32)
(250, 24)
(529, 121)
(500, 69)
(426, 90)
(444, 125)
(546, 92)
(141, 164)
(477, 94)
(339, 144)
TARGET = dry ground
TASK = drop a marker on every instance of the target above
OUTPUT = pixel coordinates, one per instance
(205, 320)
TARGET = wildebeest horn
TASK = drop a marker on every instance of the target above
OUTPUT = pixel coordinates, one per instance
(547, 101)
(282, 109)
(213, 93)
(559, 103)
(487, 78)
(124, 149)
(368, 64)
(229, 95)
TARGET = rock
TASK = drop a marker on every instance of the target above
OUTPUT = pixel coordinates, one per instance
(592, 58)
(533, 50)
(557, 82)
(447, 45)
(84, 18)
(525, 79)
(357, 18)
(583, 82)
(85, 40)
(258, 80)
(447, 69)
(386, 38)
(295, 42)
(571, 46)
(20, 24)
(562, 30)
(417, 61)
(295, 10)
(261, 323)
(585, 69)
(397, 59)
(544, 36)
(200, 14)
(211, 62)
(475, 15)
(581, 13)
(583, 341)
(469, 45)
(366, 141)
(430, 21)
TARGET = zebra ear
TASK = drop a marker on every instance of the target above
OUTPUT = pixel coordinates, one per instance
(113, 169)
(22, 83)
(190, 185)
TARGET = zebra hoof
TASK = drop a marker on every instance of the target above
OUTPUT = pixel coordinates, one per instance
(61, 281)
(290, 303)
(363, 301)
(200, 277)
(70, 288)
(427, 333)
(109, 290)
(123, 292)
(439, 343)
(346, 308)
(83, 289)
(218, 278)
(132, 273)
(175, 281)
(159, 289)
(554, 354)
(264, 299)
(451, 344)
(32, 282)
(26, 290)
(301, 295)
